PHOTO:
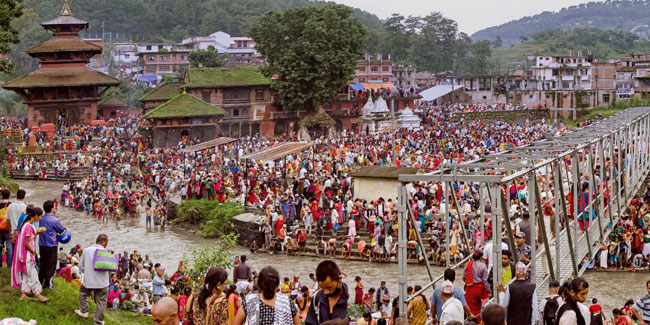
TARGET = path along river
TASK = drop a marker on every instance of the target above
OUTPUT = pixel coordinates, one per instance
(168, 245)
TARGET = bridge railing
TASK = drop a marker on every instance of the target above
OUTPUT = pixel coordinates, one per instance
(576, 188)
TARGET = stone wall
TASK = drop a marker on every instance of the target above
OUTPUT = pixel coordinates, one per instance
(507, 116)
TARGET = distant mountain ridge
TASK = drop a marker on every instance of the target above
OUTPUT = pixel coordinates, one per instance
(625, 15)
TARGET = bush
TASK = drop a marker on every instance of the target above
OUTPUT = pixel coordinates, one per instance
(218, 254)
(214, 217)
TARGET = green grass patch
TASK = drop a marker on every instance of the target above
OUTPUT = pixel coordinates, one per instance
(213, 217)
(59, 309)
(6, 182)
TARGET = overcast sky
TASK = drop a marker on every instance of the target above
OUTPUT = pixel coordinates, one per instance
(471, 15)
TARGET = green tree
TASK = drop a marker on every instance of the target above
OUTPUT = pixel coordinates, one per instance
(477, 62)
(311, 54)
(9, 11)
(208, 58)
(498, 42)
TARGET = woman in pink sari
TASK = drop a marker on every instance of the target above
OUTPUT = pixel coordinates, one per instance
(23, 269)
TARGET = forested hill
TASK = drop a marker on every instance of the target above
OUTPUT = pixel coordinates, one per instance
(622, 15)
(173, 20)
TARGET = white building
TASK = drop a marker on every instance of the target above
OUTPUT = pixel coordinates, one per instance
(153, 47)
(124, 54)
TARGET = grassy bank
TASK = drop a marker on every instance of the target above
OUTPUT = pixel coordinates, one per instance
(60, 309)
(6, 182)
(212, 217)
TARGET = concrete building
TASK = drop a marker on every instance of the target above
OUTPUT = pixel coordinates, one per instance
(165, 61)
(124, 54)
(241, 50)
(404, 76)
(424, 80)
(374, 70)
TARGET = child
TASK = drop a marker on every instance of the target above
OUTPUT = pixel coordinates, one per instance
(76, 281)
(182, 301)
(254, 246)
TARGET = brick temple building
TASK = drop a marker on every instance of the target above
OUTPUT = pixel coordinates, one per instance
(64, 90)
(249, 102)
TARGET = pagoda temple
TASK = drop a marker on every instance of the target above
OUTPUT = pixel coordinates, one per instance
(64, 91)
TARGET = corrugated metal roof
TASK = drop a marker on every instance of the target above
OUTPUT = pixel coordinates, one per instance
(209, 144)
(279, 151)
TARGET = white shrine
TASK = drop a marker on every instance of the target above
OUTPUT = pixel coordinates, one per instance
(408, 120)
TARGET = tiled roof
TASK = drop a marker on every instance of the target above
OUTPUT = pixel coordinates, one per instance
(184, 105)
(64, 45)
(56, 77)
(64, 20)
(165, 91)
(225, 77)
(112, 100)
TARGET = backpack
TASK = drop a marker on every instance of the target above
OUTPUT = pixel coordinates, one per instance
(550, 310)
(4, 222)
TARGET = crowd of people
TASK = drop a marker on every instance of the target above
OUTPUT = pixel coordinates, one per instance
(309, 196)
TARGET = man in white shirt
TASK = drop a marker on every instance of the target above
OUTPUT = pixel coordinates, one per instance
(15, 209)
(94, 283)
(452, 309)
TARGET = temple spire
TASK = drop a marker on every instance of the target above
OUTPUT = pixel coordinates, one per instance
(65, 10)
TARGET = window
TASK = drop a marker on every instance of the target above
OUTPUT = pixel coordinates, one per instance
(585, 100)
(484, 97)
(568, 73)
(565, 84)
(167, 68)
(605, 98)
(384, 68)
(530, 96)
(205, 95)
(235, 112)
(151, 58)
(164, 58)
(173, 57)
(361, 68)
(197, 122)
(374, 68)
(148, 47)
(150, 69)
(259, 95)
(362, 79)
(385, 79)
(338, 106)
(127, 55)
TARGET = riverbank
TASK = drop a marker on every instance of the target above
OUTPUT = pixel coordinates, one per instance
(6, 182)
(59, 309)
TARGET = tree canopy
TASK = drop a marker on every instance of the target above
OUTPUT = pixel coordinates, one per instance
(9, 11)
(208, 58)
(311, 52)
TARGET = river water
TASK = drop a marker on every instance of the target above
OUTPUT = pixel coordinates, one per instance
(167, 246)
